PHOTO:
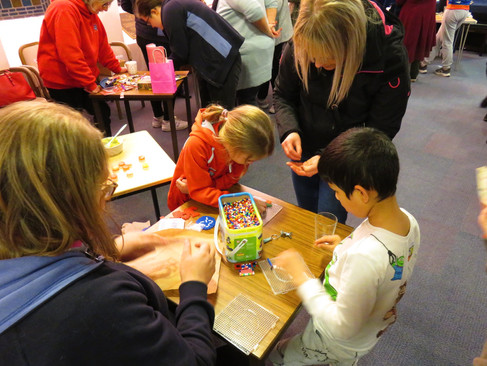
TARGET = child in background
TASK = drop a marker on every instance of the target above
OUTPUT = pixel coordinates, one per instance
(369, 270)
(218, 152)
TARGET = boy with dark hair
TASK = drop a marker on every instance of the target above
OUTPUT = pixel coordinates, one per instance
(367, 275)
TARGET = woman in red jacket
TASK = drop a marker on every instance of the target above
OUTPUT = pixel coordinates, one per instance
(72, 42)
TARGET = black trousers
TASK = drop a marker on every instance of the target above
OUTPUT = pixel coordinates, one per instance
(79, 99)
(224, 95)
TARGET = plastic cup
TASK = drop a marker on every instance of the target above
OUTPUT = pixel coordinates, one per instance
(325, 224)
(131, 67)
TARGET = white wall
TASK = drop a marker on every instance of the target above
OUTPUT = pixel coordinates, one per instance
(16, 32)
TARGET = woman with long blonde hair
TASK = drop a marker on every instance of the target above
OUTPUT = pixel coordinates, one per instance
(64, 296)
(346, 67)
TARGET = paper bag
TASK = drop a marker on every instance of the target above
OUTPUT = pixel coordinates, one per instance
(162, 74)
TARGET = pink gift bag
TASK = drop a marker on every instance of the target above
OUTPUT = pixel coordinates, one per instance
(163, 78)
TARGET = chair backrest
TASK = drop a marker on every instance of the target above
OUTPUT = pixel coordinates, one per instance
(120, 50)
(28, 53)
(33, 78)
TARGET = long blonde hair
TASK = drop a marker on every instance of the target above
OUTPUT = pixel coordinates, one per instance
(247, 129)
(331, 29)
(52, 166)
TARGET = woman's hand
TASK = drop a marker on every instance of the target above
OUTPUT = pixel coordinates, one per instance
(327, 241)
(292, 146)
(94, 91)
(306, 169)
(292, 262)
(135, 244)
(197, 264)
(182, 185)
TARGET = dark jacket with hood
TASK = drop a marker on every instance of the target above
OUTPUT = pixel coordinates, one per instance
(73, 310)
(200, 37)
(377, 98)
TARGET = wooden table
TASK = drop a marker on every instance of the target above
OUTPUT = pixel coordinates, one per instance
(160, 167)
(135, 94)
(291, 219)
(465, 28)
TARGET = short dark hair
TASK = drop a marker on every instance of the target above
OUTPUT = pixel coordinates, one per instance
(143, 7)
(361, 156)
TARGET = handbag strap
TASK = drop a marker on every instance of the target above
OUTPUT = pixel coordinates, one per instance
(8, 74)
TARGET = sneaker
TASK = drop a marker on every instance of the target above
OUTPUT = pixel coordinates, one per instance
(423, 69)
(443, 72)
(262, 103)
(157, 122)
(180, 125)
(272, 110)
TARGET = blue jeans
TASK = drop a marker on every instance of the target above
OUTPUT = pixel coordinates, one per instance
(315, 195)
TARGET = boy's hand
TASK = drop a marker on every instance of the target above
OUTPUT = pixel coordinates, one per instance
(292, 146)
(182, 185)
(306, 169)
(292, 262)
(197, 264)
(137, 243)
(327, 241)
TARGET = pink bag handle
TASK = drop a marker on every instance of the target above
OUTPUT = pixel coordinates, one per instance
(164, 54)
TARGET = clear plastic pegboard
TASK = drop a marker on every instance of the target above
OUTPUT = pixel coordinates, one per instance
(278, 278)
(244, 323)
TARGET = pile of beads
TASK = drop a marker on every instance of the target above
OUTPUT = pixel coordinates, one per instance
(240, 214)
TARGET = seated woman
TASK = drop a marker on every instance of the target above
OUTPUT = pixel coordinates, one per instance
(64, 298)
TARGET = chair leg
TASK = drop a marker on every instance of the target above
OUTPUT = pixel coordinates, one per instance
(143, 103)
(119, 110)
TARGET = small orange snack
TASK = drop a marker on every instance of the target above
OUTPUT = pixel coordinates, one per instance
(126, 167)
(141, 158)
(115, 168)
(122, 163)
(113, 176)
(145, 166)
(130, 174)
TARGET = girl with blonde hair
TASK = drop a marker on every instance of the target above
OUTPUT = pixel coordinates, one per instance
(218, 152)
(346, 67)
(63, 296)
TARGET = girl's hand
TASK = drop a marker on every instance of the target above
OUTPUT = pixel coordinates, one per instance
(261, 206)
(306, 169)
(292, 146)
(292, 262)
(327, 241)
(197, 264)
(182, 185)
(123, 70)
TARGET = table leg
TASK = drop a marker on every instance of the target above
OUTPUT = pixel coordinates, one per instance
(99, 118)
(128, 112)
(172, 123)
(254, 361)
(463, 40)
(156, 204)
(187, 97)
